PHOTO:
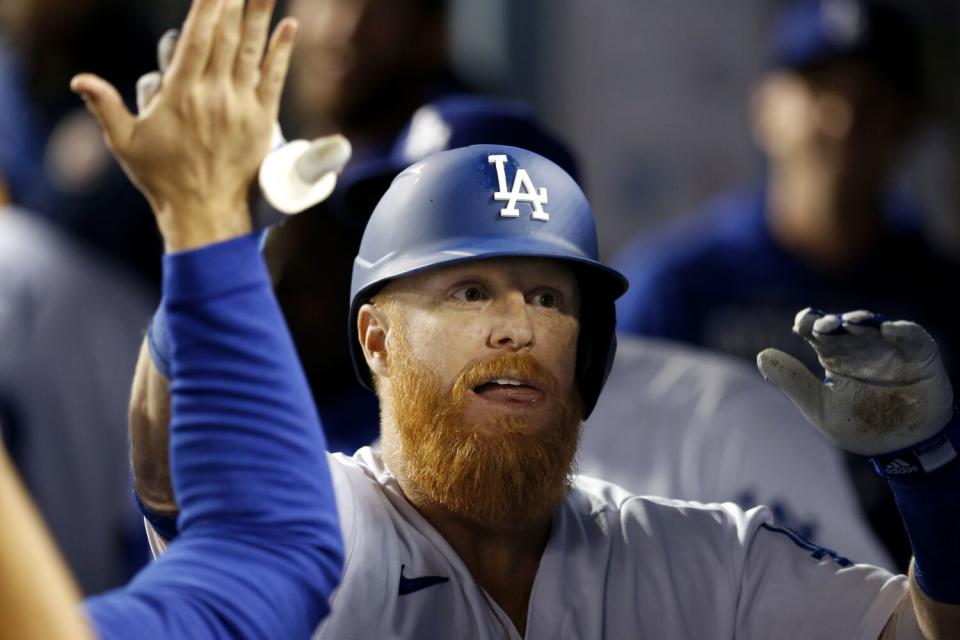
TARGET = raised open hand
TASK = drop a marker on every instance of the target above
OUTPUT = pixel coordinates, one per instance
(886, 388)
(295, 175)
(196, 148)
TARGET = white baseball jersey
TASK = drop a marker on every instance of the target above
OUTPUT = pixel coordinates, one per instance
(687, 423)
(615, 566)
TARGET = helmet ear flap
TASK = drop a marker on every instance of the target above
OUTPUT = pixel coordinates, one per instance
(585, 362)
(596, 345)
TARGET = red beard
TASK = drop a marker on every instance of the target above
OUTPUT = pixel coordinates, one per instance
(502, 474)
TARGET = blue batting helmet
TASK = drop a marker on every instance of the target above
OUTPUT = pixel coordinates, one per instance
(449, 122)
(488, 201)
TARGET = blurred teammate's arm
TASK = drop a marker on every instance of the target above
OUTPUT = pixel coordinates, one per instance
(38, 597)
(149, 421)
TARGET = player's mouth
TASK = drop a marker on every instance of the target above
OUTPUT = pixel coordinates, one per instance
(510, 392)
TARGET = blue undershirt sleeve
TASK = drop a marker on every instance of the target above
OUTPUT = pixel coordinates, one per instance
(259, 550)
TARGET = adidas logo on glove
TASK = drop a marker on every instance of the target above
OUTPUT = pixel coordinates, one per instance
(898, 467)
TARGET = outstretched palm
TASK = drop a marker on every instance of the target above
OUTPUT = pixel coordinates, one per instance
(886, 387)
(195, 150)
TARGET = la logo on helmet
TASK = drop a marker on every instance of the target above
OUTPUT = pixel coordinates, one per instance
(522, 191)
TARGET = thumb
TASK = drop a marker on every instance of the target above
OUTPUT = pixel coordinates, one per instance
(106, 105)
(795, 380)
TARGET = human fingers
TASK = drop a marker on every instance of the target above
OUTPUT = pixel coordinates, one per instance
(256, 25)
(226, 40)
(276, 63)
(104, 102)
(193, 47)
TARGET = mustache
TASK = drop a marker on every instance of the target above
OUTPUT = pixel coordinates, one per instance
(519, 366)
(502, 476)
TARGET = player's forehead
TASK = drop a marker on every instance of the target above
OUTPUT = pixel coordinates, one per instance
(512, 271)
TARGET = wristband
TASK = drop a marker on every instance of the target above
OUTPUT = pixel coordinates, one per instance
(925, 480)
(922, 458)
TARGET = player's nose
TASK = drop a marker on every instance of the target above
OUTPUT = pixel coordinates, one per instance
(511, 326)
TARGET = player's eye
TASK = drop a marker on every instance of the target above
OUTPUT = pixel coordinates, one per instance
(470, 293)
(546, 299)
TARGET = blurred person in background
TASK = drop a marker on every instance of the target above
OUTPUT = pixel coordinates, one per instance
(362, 68)
(52, 156)
(70, 326)
(71, 316)
(831, 117)
(825, 226)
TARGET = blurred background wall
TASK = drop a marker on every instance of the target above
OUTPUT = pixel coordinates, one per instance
(654, 97)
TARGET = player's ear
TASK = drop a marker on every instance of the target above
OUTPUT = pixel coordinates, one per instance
(373, 324)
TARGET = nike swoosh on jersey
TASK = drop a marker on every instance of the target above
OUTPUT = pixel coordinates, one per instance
(409, 585)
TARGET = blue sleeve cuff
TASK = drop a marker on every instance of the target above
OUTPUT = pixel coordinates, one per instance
(214, 270)
(925, 480)
(916, 461)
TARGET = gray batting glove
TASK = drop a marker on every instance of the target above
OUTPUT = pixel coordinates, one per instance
(295, 175)
(299, 174)
(885, 388)
(149, 83)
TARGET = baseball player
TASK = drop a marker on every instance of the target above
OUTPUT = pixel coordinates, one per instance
(260, 549)
(712, 429)
(483, 320)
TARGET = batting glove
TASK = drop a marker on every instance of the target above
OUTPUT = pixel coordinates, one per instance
(885, 389)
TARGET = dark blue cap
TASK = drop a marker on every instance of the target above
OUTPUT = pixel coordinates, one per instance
(450, 122)
(812, 32)
(461, 120)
